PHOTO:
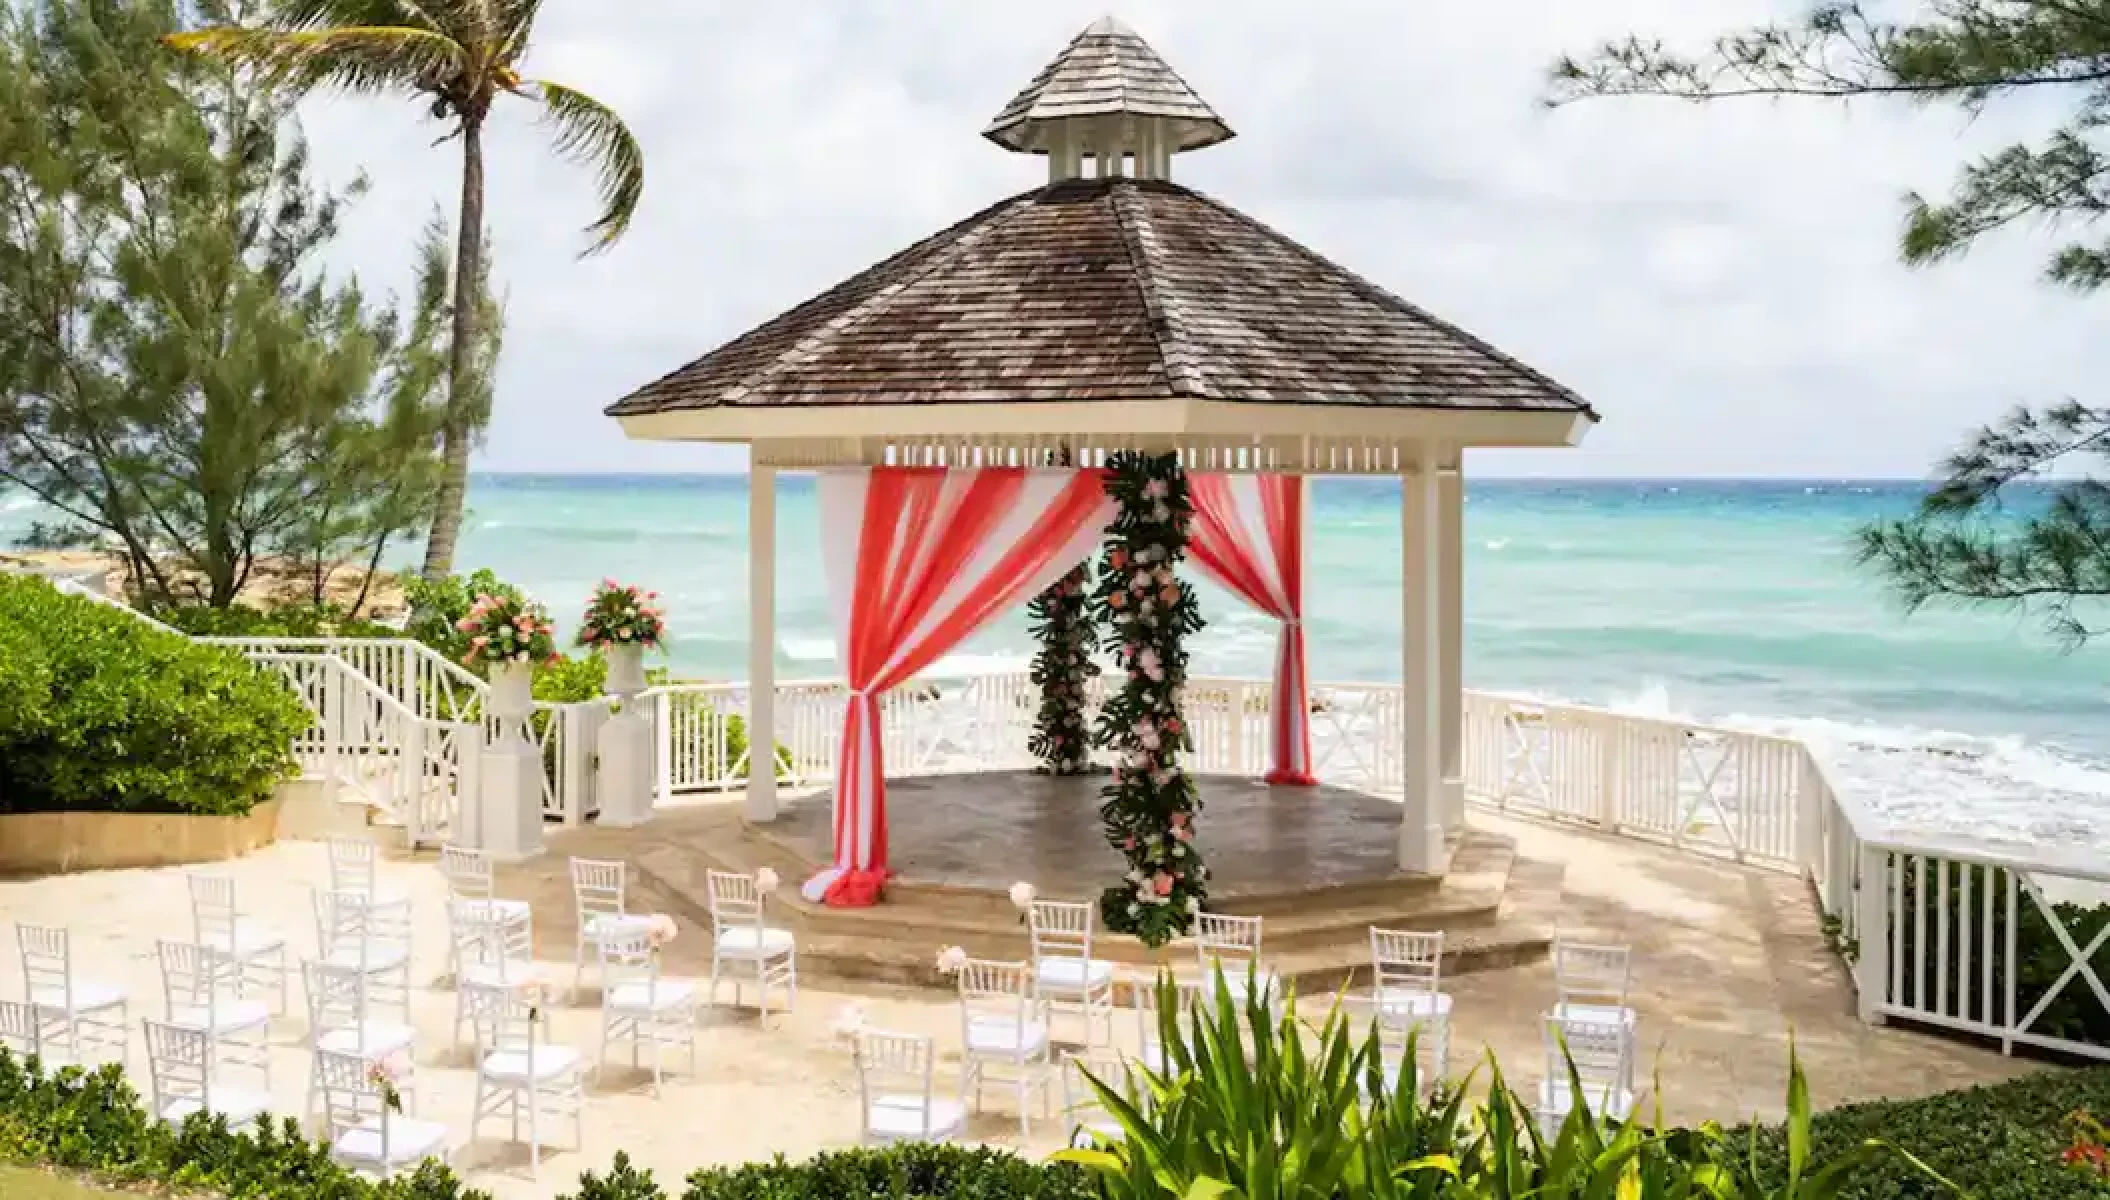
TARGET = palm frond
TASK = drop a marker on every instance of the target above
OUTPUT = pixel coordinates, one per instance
(337, 14)
(516, 23)
(590, 133)
(357, 58)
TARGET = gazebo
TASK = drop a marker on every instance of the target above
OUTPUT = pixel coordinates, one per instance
(987, 386)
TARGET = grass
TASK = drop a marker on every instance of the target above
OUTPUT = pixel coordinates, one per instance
(22, 1183)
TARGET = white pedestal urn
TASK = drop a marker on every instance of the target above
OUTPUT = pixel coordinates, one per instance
(623, 747)
(509, 821)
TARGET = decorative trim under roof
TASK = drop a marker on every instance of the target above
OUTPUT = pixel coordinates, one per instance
(1105, 291)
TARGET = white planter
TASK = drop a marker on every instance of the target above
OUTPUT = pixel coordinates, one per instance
(512, 689)
(626, 669)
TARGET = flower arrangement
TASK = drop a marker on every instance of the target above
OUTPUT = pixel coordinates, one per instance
(1023, 895)
(766, 881)
(1148, 613)
(849, 1023)
(623, 616)
(660, 931)
(2086, 1150)
(952, 960)
(505, 629)
(385, 1076)
(1063, 670)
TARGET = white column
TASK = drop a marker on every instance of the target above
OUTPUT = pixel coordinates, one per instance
(1421, 848)
(1450, 600)
(761, 642)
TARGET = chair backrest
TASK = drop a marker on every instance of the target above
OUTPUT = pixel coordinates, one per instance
(1601, 1050)
(1591, 973)
(1403, 961)
(353, 921)
(213, 913)
(1222, 939)
(351, 1095)
(627, 958)
(504, 1017)
(998, 991)
(179, 1064)
(194, 975)
(735, 900)
(47, 959)
(1060, 929)
(1186, 995)
(597, 888)
(469, 873)
(336, 996)
(1080, 1104)
(352, 865)
(483, 936)
(20, 1030)
(892, 1067)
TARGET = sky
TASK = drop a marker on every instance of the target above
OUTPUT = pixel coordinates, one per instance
(1719, 281)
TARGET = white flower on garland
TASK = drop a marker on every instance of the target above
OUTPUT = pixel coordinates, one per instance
(1022, 895)
(849, 1023)
(766, 881)
(952, 960)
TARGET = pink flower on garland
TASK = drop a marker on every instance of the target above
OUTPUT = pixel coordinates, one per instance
(1161, 883)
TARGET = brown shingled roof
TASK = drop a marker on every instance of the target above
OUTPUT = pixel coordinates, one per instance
(1101, 289)
(1107, 70)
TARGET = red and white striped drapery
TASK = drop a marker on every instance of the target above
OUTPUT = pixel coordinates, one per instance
(917, 559)
(1248, 535)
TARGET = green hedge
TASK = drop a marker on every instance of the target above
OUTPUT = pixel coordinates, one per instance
(910, 1171)
(100, 711)
(1998, 1142)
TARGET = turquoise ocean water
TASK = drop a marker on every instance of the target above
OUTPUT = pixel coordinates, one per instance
(1735, 602)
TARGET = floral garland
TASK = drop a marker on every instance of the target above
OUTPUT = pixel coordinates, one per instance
(506, 629)
(623, 616)
(1148, 613)
(1063, 669)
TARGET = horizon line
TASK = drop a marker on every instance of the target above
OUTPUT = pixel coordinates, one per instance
(743, 472)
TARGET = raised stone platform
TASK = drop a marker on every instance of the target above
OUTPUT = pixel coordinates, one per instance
(1317, 862)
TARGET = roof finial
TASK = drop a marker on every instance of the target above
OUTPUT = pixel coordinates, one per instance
(1107, 96)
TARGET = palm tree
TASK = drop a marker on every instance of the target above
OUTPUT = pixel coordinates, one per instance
(461, 55)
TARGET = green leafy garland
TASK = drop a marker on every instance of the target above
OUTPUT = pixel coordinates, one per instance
(1063, 669)
(1149, 807)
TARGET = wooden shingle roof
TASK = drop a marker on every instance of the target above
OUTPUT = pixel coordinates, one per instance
(1106, 289)
(1107, 71)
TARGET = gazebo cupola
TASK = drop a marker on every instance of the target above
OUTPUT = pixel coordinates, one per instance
(1108, 102)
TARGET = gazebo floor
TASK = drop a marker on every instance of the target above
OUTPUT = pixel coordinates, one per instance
(1318, 863)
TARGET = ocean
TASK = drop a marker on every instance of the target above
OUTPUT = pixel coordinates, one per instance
(1733, 602)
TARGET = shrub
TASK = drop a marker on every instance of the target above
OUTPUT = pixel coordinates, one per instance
(437, 608)
(94, 1123)
(1999, 1142)
(912, 1171)
(100, 711)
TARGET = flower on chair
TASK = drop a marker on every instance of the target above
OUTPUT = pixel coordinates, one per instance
(660, 930)
(1022, 895)
(952, 960)
(848, 1024)
(766, 881)
(383, 1074)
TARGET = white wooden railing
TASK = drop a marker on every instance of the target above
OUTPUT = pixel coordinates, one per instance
(1999, 942)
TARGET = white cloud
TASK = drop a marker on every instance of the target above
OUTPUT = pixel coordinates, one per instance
(1720, 281)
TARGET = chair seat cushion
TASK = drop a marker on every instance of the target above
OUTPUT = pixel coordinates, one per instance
(369, 1039)
(252, 938)
(1604, 1099)
(667, 996)
(1100, 1129)
(375, 957)
(1236, 985)
(409, 1141)
(231, 1016)
(1073, 974)
(1602, 1014)
(88, 996)
(1003, 1035)
(511, 912)
(239, 1105)
(903, 1116)
(1404, 1002)
(747, 941)
(512, 973)
(614, 924)
(514, 1066)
